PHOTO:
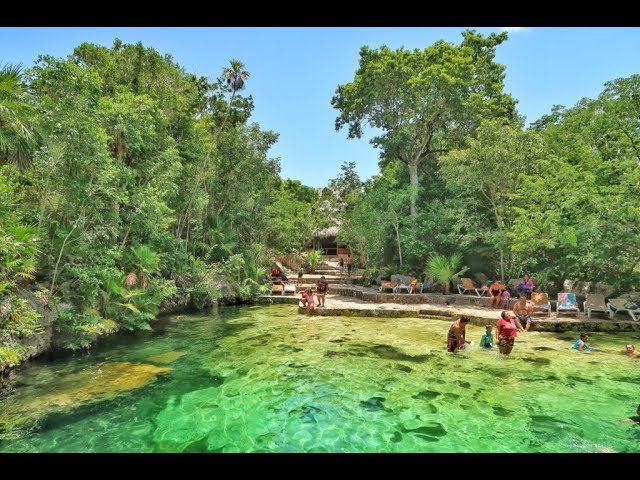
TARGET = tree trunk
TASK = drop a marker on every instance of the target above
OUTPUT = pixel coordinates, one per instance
(413, 178)
(55, 270)
(396, 226)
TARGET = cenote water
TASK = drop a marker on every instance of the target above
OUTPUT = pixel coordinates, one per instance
(266, 379)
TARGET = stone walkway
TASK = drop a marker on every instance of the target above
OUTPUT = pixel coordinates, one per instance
(394, 307)
(345, 299)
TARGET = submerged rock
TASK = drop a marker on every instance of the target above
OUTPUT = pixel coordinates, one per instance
(92, 385)
(167, 357)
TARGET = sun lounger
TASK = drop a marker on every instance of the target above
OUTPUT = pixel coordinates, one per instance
(468, 286)
(621, 305)
(540, 302)
(277, 288)
(401, 287)
(289, 288)
(386, 285)
(567, 303)
(595, 303)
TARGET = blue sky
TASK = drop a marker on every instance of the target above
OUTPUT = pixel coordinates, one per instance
(295, 71)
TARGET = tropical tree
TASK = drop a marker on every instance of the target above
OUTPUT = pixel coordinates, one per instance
(313, 257)
(17, 137)
(445, 269)
(235, 75)
(423, 101)
(145, 263)
(485, 174)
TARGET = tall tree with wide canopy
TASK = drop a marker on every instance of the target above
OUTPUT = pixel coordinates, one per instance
(485, 174)
(423, 101)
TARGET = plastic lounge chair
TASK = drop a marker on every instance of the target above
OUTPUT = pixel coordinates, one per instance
(595, 303)
(289, 288)
(277, 288)
(540, 302)
(401, 286)
(617, 305)
(386, 285)
(567, 303)
(467, 286)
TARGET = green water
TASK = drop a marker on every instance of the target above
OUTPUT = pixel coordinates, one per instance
(265, 379)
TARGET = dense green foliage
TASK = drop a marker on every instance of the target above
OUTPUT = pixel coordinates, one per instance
(126, 182)
(424, 101)
(560, 200)
(144, 184)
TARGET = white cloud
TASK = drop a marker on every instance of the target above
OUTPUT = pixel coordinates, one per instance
(513, 29)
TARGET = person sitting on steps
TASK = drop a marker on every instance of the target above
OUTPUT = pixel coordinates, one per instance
(523, 311)
(495, 293)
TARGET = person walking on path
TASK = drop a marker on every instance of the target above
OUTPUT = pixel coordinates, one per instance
(348, 262)
(322, 287)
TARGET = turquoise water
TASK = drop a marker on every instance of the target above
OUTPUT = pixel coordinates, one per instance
(266, 379)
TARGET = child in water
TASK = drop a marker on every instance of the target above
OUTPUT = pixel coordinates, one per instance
(581, 343)
(487, 340)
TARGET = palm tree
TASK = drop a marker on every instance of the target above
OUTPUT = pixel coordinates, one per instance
(235, 75)
(16, 133)
(19, 248)
(444, 269)
(145, 263)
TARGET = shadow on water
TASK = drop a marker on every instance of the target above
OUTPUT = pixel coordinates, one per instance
(429, 433)
(373, 404)
(385, 352)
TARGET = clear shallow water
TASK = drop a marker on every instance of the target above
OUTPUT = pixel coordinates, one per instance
(265, 379)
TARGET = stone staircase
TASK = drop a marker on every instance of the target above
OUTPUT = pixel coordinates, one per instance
(327, 266)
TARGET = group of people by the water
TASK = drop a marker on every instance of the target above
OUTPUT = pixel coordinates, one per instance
(507, 331)
(306, 295)
(344, 266)
(499, 296)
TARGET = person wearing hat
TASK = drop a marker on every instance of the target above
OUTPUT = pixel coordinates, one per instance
(322, 287)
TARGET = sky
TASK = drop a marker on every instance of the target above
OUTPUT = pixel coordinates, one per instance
(295, 71)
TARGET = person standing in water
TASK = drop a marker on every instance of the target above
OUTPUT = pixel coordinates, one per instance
(456, 336)
(487, 340)
(507, 332)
